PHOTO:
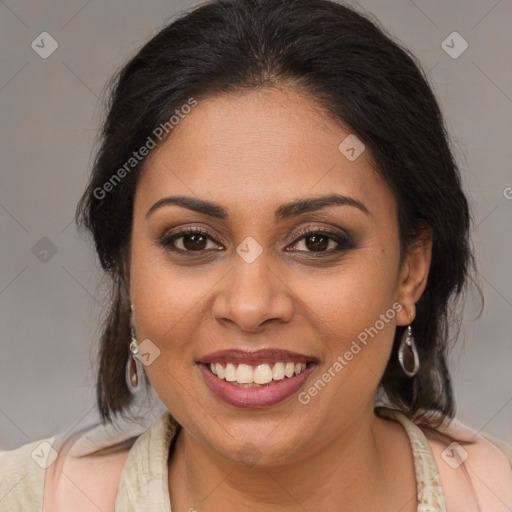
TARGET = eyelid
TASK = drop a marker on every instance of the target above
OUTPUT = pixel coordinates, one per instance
(185, 230)
(301, 232)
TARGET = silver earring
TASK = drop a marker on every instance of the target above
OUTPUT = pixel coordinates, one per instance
(134, 345)
(134, 367)
(407, 353)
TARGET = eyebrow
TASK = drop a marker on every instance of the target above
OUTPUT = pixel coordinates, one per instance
(284, 211)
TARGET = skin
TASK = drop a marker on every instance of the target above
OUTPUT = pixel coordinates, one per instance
(250, 152)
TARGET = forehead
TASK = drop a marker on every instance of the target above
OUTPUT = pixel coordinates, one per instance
(260, 148)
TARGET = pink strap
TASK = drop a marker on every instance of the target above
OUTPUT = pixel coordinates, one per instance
(85, 483)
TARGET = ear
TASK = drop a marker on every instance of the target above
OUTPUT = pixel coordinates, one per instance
(414, 274)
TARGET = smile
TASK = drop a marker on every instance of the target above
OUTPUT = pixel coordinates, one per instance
(255, 379)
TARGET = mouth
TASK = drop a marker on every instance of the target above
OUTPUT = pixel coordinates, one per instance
(255, 379)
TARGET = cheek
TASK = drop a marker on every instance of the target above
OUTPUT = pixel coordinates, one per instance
(354, 312)
(166, 300)
(355, 292)
(165, 295)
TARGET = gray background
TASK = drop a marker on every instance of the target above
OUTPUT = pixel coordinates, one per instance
(50, 112)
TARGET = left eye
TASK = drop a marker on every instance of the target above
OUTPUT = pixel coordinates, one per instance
(316, 242)
(320, 241)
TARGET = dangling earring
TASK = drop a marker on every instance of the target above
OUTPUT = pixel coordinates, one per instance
(407, 353)
(134, 368)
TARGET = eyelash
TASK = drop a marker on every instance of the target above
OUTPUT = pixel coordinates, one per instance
(344, 242)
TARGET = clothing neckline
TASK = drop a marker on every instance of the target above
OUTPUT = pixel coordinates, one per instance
(429, 490)
(144, 477)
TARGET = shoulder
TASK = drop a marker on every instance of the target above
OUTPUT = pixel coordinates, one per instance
(474, 468)
(22, 474)
(64, 473)
(85, 479)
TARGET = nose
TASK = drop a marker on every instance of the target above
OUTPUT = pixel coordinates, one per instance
(251, 295)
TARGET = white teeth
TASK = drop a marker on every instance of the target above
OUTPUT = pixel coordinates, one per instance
(262, 374)
(278, 371)
(244, 374)
(230, 373)
(289, 369)
(219, 371)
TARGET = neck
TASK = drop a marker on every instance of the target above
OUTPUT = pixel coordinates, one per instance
(359, 468)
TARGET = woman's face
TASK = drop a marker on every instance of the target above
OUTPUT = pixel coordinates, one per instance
(252, 281)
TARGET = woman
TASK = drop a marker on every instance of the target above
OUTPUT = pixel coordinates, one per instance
(276, 202)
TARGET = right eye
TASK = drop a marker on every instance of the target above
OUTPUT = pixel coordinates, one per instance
(192, 240)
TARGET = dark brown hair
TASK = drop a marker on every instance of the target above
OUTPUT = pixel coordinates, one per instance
(362, 78)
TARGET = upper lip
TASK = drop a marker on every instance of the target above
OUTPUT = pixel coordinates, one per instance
(266, 355)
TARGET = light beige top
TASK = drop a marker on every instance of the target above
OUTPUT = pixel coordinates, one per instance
(140, 474)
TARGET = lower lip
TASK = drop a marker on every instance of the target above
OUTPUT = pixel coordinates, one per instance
(258, 396)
